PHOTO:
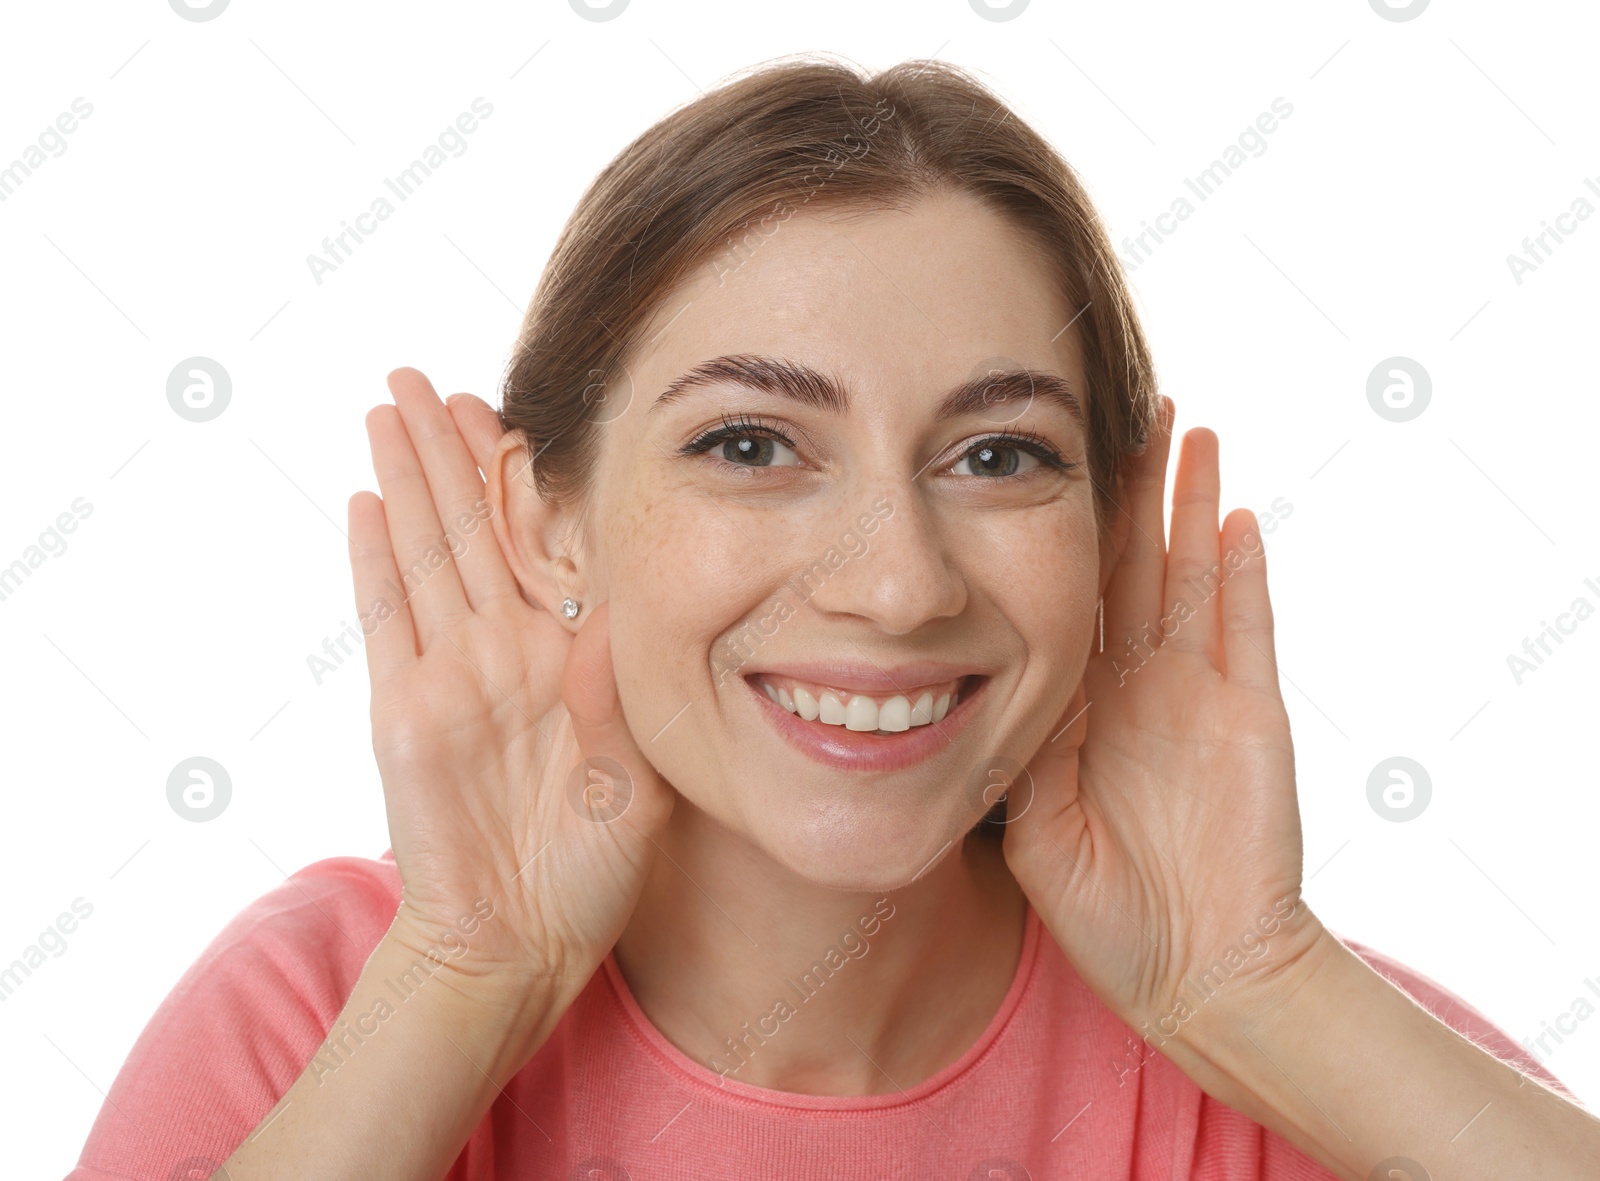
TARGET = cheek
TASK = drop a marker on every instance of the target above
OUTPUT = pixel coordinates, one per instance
(1041, 570)
(683, 580)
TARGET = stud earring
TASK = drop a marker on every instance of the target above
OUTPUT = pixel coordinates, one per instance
(569, 608)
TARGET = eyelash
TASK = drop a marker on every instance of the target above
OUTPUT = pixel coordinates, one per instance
(744, 426)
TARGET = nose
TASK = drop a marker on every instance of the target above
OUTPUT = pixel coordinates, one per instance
(899, 575)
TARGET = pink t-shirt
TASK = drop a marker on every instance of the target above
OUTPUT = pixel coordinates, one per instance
(1055, 1087)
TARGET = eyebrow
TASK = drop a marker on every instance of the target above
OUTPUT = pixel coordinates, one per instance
(818, 390)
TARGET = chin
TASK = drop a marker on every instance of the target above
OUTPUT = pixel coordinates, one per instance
(860, 848)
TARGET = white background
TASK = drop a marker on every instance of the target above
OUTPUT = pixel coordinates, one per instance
(220, 153)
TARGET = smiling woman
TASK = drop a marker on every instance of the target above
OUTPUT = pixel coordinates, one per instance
(794, 396)
(928, 347)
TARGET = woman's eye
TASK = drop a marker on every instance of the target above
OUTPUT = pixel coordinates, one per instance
(744, 442)
(996, 459)
(749, 450)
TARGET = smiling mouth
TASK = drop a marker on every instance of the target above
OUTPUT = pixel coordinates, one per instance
(882, 715)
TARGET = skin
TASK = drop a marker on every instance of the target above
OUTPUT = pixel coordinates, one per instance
(770, 855)
(1162, 827)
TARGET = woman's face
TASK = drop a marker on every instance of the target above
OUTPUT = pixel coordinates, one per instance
(853, 535)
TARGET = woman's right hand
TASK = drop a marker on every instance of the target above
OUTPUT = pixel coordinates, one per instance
(482, 709)
(485, 715)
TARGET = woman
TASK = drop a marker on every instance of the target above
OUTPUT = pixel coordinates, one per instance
(821, 766)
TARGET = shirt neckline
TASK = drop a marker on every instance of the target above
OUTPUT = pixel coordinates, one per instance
(676, 1062)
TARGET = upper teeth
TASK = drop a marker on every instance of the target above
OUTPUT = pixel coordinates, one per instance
(862, 712)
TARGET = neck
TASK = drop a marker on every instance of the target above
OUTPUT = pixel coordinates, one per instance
(781, 983)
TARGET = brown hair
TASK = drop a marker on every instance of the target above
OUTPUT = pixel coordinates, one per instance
(700, 186)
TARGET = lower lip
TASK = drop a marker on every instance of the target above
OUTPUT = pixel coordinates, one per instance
(864, 750)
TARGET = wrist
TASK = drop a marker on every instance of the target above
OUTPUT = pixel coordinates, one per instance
(409, 1016)
(484, 945)
(503, 1004)
(1239, 1045)
(1290, 991)
(1252, 973)
(1218, 1007)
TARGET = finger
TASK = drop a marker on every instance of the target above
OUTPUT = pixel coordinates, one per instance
(479, 426)
(391, 642)
(1073, 725)
(589, 691)
(1133, 597)
(426, 574)
(1247, 632)
(1037, 802)
(456, 486)
(1191, 600)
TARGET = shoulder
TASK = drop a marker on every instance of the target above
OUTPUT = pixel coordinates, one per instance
(242, 1022)
(309, 936)
(339, 902)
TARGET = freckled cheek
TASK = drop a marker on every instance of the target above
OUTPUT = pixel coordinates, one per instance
(682, 576)
(1043, 574)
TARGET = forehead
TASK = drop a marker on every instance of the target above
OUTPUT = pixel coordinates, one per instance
(894, 302)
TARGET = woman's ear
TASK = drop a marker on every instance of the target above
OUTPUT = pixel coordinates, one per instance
(539, 541)
(1114, 544)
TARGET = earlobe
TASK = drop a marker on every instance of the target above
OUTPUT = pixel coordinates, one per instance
(529, 530)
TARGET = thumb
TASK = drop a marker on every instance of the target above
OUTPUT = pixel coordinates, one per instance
(614, 776)
(1052, 776)
(1072, 727)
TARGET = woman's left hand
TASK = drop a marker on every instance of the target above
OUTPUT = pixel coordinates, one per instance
(1162, 837)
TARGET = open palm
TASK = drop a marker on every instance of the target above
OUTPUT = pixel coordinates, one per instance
(484, 709)
(1163, 835)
